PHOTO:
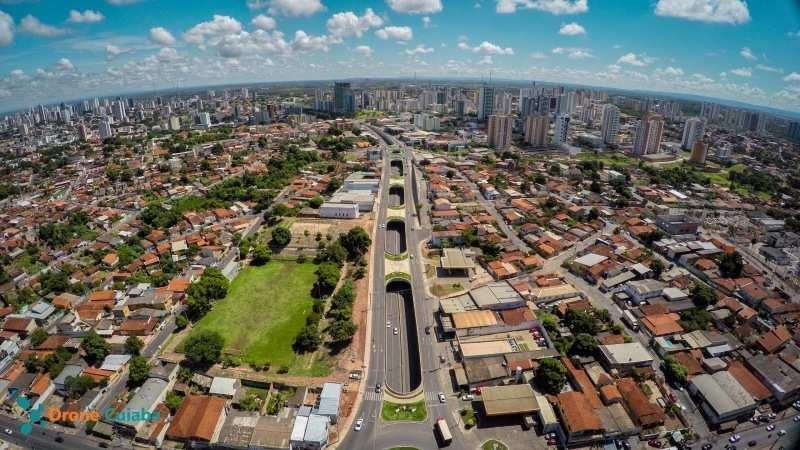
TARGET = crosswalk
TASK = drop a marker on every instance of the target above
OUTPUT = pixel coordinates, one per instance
(431, 396)
(371, 395)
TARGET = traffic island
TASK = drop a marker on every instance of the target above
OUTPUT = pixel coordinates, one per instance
(411, 412)
(493, 444)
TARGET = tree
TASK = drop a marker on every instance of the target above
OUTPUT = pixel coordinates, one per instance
(181, 321)
(138, 371)
(307, 340)
(95, 347)
(356, 242)
(581, 322)
(249, 403)
(327, 278)
(551, 375)
(695, 319)
(593, 214)
(281, 236)
(77, 386)
(673, 370)
(261, 255)
(212, 285)
(197, 308)
(342, 331)
(173, 401)
(731, 265)
(334, 253)
(703, 295)
(316, 202)
(657, 267)
(134, 345)
(38, 336)
(583, 345)
(204, 348)
(595, 187)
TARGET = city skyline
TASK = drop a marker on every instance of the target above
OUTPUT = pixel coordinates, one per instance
(744, 51)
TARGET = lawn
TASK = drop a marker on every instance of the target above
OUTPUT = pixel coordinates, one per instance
(609, 159)
(265, 308)
(493, 444)
(413, 412)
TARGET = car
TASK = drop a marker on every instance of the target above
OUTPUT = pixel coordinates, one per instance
(770, 427)
(781, 432)
(395, 331)
(102, 445)
(752, 443)
(412, 256)
(735, 438)
(378, 387)
(707, 447)
(428, 330)
(442, 398)
(59, 439)
(359, 424)
(468, 397)
(796, 418)
(388, 324)
(654, 443)
(8, 431)
(772, 416)
(442, 359)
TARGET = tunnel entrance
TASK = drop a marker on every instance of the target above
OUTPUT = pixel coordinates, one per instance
(396, 196)
(403, 371)
(397, 168)
(396, 237)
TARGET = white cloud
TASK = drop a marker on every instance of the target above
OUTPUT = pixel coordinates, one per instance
(573, 52)
(426, 21)
(263, 22)
(6, 29)
(792, 77)
(538, 55)
(167, 54)
(32, 25)
(347, 24)
(767, 68)
(487, 48)
(112, 51)
(635, 60)
(395, 33)
(793, 33)
(87, 16)
(571, 29)
(731, 12)
(486, 60)
(295, 8)
(304, 42)
(747, 54)
(742, 72)
(420, 49)
(122, 2)
(65, 65)
(364, 50)
(212, 31)
(161, 36)
(557, 7)
(669, 71)
(415, 6)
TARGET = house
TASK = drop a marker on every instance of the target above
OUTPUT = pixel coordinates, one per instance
(328, 401)
(199, 419)
(581, 424)
(625, 357)
(646, 414)
(22, 326)
(225, 387)
(642, 290)
(146, 399)
(310, 431)
(773, 340)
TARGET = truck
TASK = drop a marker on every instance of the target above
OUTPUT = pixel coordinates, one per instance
(444, 431)
(630, 320)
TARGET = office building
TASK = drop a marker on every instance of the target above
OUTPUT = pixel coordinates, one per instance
(560, 129)
(499, 131)
(343, 99)
(536, 128)
(648, 135)
(119, 112)
(205, 120)
(427, 122)
(609, 123)
(699, 152)
(104, 129)
(485, 102)
(693, 131)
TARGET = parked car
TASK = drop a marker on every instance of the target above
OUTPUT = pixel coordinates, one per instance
(752, 444)
(781, 432)
(8, 431)
(359, 424)
(770, 427)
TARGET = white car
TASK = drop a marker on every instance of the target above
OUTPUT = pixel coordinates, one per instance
(8, 431)
(359, 424)
(734, 438)
(781, 432)
(388, 324)
(796, 418)
(770, 427)
(442, 398)
(395, 331)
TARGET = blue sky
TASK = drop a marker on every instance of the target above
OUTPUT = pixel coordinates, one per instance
(733, 49)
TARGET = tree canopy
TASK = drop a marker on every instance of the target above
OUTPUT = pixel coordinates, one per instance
(204, 348)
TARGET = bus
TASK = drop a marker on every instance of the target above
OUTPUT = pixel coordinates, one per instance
(444, 431)
(630, 320)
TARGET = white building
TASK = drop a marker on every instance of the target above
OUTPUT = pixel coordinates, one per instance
(427, 122)
(561, 129)
(330, 210)
(648, 135)
(499, 131)
(174, 123)
(205, 120)
(693, 130)
(609, 127)
(104, 129)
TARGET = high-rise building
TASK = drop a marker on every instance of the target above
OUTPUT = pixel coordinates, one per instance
(536, 128)
(343, 99)
(693, 131)
(499, 131)
(174, 123)
(119, 112)
(459, 107)
(561, 129)
(205, 120)
(648, 135)
(699, 152)
(794, 130)
(104, 129)
(83, 132)
(609, 123)
(485, 102)
(427, 122)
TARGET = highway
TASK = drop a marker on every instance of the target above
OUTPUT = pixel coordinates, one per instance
(396, 196)
(396, 238)
(397, 366)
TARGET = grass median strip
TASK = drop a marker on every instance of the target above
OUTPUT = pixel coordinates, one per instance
(412, 412)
